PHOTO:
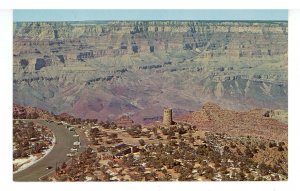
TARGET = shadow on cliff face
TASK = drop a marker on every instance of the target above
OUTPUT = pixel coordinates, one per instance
(40, 63)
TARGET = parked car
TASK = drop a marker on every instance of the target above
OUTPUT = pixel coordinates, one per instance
(74, 150)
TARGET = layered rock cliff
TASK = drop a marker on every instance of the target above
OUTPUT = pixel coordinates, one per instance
(106, 69)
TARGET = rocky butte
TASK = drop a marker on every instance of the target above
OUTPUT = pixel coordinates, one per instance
(108, 69)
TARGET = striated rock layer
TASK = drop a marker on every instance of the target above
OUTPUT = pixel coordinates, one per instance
(108, 69)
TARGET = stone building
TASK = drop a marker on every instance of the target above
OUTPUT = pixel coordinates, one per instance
(167, 118)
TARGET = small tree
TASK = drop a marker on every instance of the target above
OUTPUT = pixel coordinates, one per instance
(110, 163)
(154, 130)
(164, 131)
(272, 144)
(64, 165)
(280, 148)
(192, 140)
(142, 142)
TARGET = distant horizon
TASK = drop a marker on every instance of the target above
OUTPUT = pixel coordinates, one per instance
(258, 21)
(149, 15)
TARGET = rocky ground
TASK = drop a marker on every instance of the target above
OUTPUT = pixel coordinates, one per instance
(256, 122)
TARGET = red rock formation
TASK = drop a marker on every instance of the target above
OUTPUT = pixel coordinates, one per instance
(28, 112)
(213, 118)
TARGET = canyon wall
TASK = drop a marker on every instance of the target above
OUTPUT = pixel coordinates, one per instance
(108, 69)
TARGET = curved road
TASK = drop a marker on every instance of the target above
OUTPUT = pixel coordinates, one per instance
(64, 142)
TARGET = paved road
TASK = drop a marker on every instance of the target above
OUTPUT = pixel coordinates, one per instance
(64, 141)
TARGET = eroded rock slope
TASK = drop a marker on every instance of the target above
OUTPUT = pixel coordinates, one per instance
(108, 69)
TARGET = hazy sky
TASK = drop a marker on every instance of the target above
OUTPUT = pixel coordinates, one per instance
(80, 15)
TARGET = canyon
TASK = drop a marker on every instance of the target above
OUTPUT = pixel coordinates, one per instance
(108, 69)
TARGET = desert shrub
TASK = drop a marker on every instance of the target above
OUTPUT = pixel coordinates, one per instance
(248, 153)
(272, 144)
(142, 142)
(262, 146)
(280, 148)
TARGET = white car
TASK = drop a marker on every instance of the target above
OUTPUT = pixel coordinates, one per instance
(76, 143)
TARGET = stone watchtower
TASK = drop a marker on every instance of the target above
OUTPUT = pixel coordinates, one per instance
(167, 118)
